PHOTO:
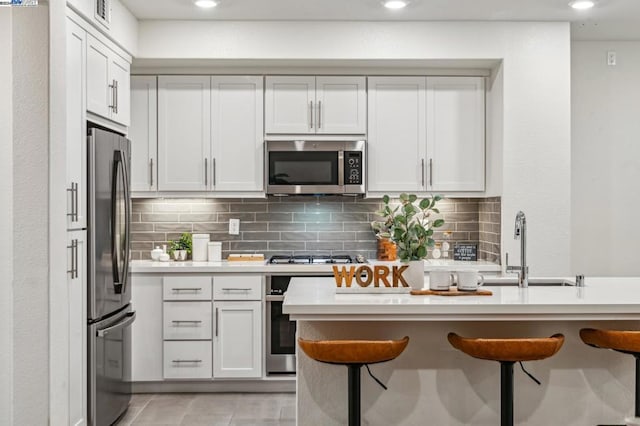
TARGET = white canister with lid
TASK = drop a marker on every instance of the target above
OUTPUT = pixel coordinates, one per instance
(215, 251)
(199, 247)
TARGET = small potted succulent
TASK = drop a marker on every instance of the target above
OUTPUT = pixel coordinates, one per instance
(410, 226)
(181, 248)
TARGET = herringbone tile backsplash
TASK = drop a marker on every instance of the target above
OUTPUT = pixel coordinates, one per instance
(295, 225)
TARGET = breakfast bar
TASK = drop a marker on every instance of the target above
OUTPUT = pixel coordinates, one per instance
(431, 380)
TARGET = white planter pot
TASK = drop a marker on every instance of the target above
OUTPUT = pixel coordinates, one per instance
(414, 274)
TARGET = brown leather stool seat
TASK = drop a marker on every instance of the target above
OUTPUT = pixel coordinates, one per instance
(624, 341)
(513, 350)
(353, 351)
(507, 352)
(354, 354)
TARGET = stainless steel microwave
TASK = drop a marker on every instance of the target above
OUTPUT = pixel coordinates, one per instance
(315, 167)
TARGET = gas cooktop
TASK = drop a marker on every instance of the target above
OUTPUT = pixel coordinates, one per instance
(312, 259)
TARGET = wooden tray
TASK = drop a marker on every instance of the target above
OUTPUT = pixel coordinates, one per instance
(453, 291)
(245, 258)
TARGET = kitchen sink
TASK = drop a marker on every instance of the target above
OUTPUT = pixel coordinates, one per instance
(533, 282)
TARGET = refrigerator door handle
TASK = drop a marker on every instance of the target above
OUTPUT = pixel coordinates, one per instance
(127, 225)
(128, 319)
(119, 277)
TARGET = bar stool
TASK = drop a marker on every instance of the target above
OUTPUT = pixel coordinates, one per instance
(627, 342)
(507, 352)
(354, 354)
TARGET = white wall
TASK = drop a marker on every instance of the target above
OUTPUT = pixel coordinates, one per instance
(536, 87)
(6, 220)
(27, 227)
(605, 149)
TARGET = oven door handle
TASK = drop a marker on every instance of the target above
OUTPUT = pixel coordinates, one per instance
(274, 298)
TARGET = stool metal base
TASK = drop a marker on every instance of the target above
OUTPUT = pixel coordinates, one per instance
(506, 393)
(354, 394)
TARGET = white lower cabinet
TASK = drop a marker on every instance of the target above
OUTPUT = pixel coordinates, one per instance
(146, 330)
(187, 320)
(237, 341)
(187, 359)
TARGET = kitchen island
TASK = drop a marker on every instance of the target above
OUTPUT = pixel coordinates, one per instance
(431, 380)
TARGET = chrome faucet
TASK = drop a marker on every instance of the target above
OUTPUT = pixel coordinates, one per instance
(520, 233)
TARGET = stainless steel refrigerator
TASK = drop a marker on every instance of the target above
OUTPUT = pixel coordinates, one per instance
(109, 310)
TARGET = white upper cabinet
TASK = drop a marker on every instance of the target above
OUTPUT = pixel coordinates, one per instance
(76, 148)
(341, 105)
(397, 134)
(107, 82)
(184, 133)
(237, 129)
(315, 105)
(289, 103)
(455, 133)
(143, 133)
(426, 134)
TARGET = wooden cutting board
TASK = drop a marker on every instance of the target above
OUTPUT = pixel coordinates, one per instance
(453, 291)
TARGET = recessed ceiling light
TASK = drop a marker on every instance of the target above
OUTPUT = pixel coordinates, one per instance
(205, 4)
(582, 4)
(395, 4)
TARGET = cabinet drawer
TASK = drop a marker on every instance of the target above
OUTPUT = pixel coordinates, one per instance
(237, 287)
(184, 287)
(187, 360)
(187, 321)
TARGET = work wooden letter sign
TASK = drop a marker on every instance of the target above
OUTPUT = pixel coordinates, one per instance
(365, 275)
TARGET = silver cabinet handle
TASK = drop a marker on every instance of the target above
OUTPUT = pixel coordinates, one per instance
(74, 259)
(115, 83)
(430, 171)
(186, 322)
(112, 86)
(206, 171)
(216, 322)
(311, 114)
(213, 173)
(236, 289)
(74, 201)
(177, 290)
(193, 361)
(151, 172)
(422, 172)
(319, 114)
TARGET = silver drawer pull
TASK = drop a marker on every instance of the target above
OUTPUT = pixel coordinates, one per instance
(186, 289)
(236, 289)
(178, 361)
(186, 321)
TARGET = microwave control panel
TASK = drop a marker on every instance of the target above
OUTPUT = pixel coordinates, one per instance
(353, 168)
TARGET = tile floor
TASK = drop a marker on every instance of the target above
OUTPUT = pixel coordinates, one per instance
(211, 409)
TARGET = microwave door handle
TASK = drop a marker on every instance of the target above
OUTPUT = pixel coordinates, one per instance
(341, 169)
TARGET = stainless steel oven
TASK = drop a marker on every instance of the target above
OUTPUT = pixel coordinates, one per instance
(281, 332)
(315, 167)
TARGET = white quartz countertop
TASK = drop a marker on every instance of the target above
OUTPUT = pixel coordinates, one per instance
(148, 266)
(315, 299)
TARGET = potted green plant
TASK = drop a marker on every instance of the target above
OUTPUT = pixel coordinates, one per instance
(181, 248)
(410, 225)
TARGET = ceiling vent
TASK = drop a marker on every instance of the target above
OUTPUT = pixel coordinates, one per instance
(103, 12)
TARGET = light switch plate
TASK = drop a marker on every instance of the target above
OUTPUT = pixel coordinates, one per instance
(234, 226)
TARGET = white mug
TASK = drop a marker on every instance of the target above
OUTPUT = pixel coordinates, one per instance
(469, 280)
(440, 280)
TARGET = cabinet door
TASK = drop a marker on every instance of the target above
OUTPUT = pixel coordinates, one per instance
(341, 105)
(119, 77)
(146, 330)
(143, 133)
(289, 105)
(237, 344)
(184, 133)
(397, 134)
(99, 94)
(76, 148)
(455, 133)
(77, 308)
(237, 123)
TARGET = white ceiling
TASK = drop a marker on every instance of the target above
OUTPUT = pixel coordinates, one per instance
(608, 20)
